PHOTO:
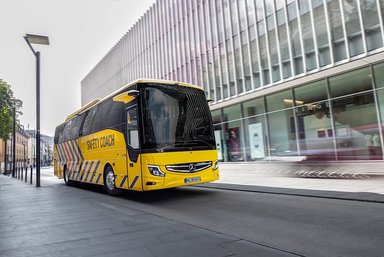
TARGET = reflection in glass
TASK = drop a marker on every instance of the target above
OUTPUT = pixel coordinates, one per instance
(351, 15)
(282, 134)
(255, 133)
(355, 117)
(371, 24)
(337, 33)
(175, 118)
(279, 101)
(321, 31)
(379, 75)
(295, 39)
(357, 133)
(351, 82)
(232, 131)
(380, 95)
(314, 122)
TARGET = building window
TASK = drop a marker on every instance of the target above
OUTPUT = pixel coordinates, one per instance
(281, 124)
(314, 125)
(371, 24)
(255, 132)
(351, 16)
(337, 34)
(233, 133)
(355, 118)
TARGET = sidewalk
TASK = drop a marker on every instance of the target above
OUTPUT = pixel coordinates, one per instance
(56, 220)
(350, 181)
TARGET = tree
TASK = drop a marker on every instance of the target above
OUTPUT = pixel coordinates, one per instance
(7, 106)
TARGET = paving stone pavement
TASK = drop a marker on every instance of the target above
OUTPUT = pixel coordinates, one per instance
(60, 221)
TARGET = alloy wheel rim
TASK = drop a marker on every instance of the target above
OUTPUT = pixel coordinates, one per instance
(110, 180)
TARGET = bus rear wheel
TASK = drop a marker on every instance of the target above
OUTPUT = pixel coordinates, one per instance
(110, 182)
(66, 177)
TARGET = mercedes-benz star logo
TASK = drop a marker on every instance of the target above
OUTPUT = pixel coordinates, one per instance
(191, 167)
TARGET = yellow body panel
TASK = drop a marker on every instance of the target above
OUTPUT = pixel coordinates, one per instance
(108, 147)
(176, 179)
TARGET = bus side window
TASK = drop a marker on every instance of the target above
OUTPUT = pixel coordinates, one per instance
(58, 133)
(87, 124)
(75, 128)
(132, 130)
(67, 131)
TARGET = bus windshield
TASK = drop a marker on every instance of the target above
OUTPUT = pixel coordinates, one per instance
(175, 118)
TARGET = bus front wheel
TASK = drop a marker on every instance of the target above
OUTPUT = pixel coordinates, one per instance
(110, 183)
(66, 177)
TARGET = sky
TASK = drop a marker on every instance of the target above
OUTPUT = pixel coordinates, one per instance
(81, 32)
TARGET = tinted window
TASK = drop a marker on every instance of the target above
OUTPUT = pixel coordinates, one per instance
(72, 128)
(66, 131)
(132, 129)
(87, 125)
(176, 117)
(58, 133)
(110, 114)
(75, 128)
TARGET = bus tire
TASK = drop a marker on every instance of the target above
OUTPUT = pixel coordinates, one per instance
(110, 182)
(67, 181)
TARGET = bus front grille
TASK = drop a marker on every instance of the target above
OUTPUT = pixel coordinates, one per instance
(189, 167)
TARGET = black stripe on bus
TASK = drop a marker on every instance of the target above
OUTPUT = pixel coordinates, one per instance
(59, 153)
(66, 152)
(98, 178)
(62, 153)
(76, 171)
(123, 181)
(95, 171)
(133, 182)
(71, 151)
(79, 151)
(80, 172)
(89, 170)
(63, 158)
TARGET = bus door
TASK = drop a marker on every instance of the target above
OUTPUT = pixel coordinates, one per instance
(133, 147)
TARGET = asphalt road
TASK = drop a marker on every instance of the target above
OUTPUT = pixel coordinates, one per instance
(304, 226)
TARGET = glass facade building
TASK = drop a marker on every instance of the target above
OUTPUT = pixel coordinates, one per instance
(288, 78)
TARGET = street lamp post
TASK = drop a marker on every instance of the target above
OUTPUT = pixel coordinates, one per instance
(14, 144)
(41, 40)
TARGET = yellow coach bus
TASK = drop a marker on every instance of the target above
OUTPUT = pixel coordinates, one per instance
(150, 134)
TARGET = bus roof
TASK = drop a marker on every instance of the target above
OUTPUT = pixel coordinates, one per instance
(138, 81)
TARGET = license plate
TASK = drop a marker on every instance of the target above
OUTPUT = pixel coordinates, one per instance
(192, 180)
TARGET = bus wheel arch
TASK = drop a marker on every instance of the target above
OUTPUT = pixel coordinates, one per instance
(110, 181)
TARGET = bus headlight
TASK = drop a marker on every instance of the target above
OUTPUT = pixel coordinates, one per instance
(215, 165)
(155, 171)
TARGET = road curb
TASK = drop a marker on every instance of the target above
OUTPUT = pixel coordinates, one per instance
(350, 196)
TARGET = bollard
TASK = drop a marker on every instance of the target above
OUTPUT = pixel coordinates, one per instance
(31, 173)
(22, 173)
(26, 173)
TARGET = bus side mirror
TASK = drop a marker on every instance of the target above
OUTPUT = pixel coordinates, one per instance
(126, 97)
(133, 93)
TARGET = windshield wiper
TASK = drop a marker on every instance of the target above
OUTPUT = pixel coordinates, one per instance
(166, 148)
(196, 141)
